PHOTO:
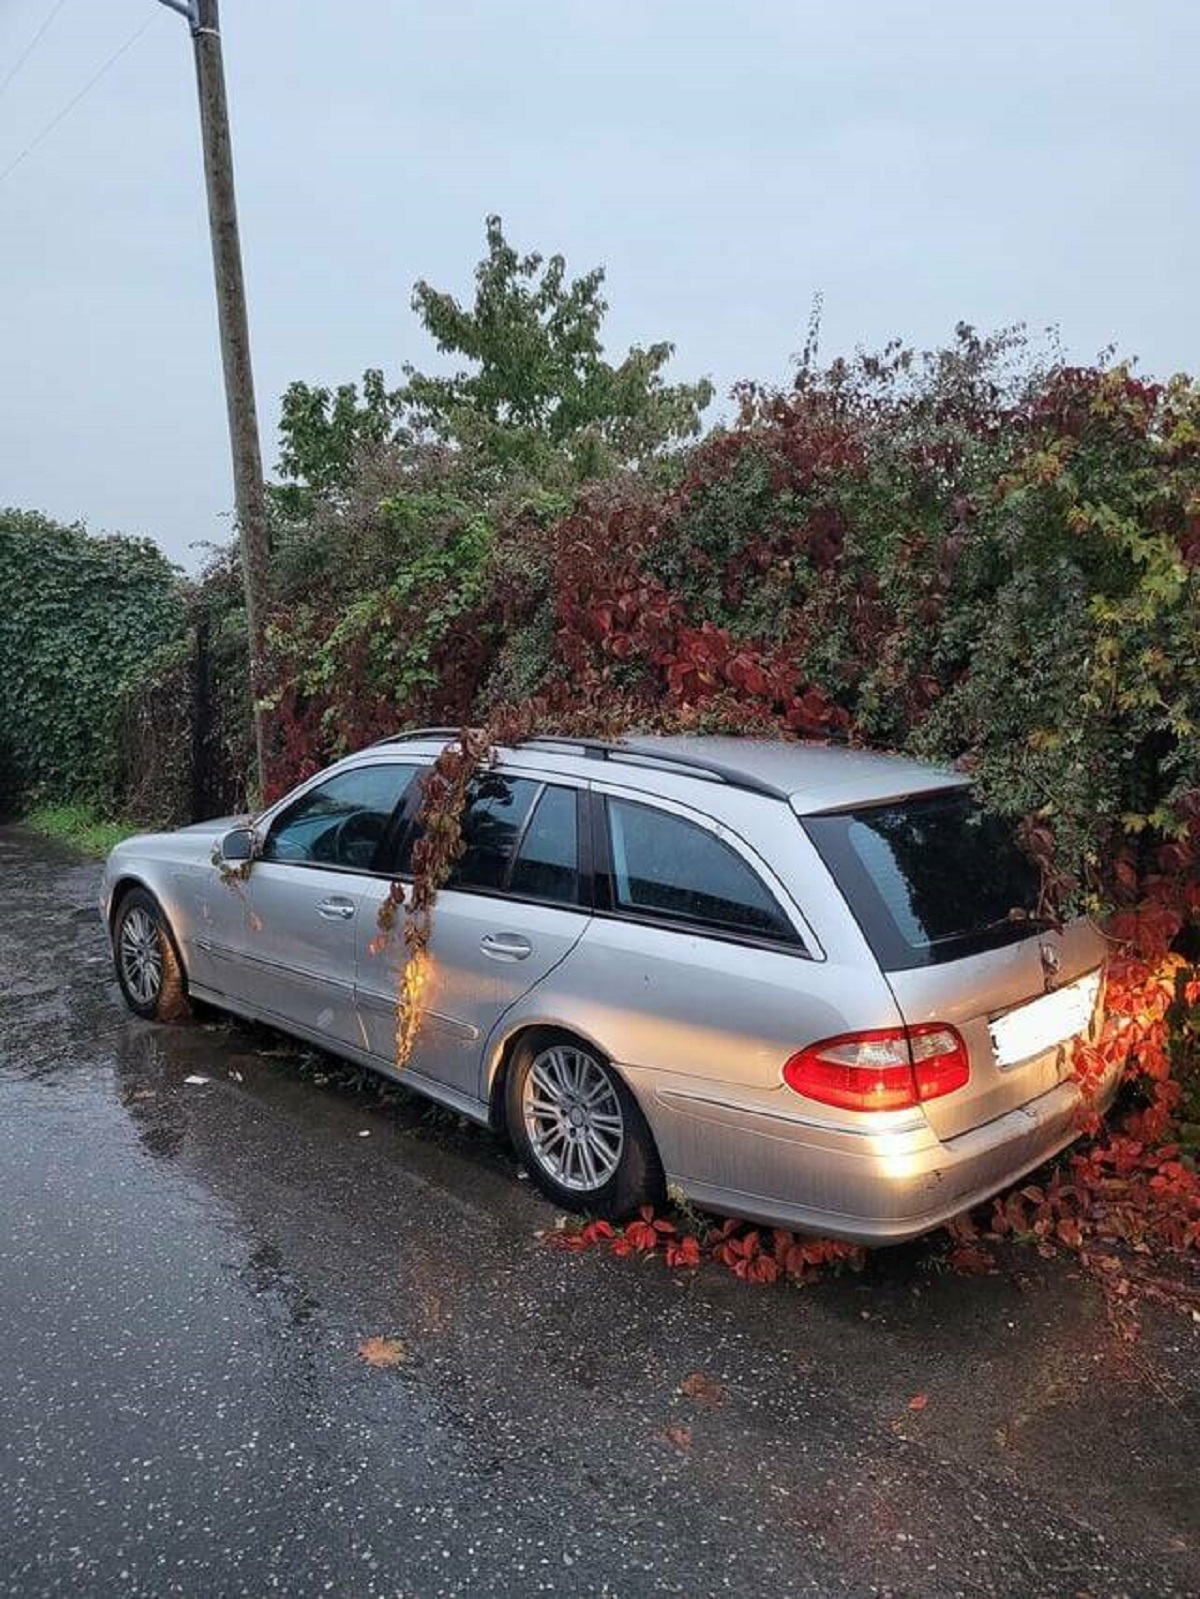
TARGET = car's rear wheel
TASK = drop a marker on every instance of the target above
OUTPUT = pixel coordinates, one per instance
(148, 966)
(578, 1129)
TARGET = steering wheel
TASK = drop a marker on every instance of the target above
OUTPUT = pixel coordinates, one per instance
(355, 839)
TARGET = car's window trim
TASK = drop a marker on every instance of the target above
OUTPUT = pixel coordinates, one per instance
(519, 899)
(609, 907)
(290, 800)
(325, 866)
(795, 948)
(506, 880)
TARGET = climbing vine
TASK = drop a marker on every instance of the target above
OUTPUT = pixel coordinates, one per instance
(81, 619)
(438, 847)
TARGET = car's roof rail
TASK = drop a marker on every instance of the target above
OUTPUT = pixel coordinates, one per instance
(415, 733)
(692, 765)
(601, 749)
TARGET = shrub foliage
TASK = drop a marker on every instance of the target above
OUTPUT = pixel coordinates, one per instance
(81, 620)
(974, 555)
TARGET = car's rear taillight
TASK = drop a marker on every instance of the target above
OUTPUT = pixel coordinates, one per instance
(940, 1063)
(892, 1068)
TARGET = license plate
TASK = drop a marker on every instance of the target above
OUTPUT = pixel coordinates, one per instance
(1034, 1028)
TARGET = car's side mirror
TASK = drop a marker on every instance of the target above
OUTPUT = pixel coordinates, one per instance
(238, 844)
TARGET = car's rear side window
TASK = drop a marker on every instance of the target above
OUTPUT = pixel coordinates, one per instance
(930, 879)
(664, 866)
(521, 838)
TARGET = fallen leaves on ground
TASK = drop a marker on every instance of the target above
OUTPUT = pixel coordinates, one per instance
(754, 1255)
(704, 1390)
(683, 1252)
(383, 1352)
(677, 1437)
(969, 1261)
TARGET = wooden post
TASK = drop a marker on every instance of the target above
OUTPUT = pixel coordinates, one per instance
(249, 489)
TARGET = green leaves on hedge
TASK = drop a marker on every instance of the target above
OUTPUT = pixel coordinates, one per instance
(80, 619)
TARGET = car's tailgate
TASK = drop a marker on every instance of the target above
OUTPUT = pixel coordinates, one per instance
(976, 993)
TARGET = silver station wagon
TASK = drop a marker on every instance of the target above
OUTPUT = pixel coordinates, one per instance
(800, 983)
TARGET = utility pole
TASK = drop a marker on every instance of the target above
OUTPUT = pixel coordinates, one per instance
(249, 491)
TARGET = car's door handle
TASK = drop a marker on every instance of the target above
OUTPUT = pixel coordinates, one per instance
(506, 946)
(336, 909)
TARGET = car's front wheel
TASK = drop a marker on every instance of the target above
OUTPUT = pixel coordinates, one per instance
(148, 966)
(579, 1130)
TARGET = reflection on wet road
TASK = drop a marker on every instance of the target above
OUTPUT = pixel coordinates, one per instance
(187, 1270)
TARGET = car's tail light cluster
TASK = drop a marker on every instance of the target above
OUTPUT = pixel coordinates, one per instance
(892, 1068)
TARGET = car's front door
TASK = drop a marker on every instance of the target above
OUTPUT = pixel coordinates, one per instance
(513, 909)
(295, 958)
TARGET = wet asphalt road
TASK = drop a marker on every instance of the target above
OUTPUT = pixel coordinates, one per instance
(186, 1273)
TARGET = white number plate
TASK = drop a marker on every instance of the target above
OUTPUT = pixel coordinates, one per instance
(1034, 1028)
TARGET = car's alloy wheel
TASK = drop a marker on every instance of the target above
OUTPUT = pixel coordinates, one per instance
(577, 1127)
(148, 966)
(573, 1118)
(140, 956)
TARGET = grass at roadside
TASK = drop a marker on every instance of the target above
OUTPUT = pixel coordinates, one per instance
(76, 824)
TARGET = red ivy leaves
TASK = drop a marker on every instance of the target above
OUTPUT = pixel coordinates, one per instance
(1119, 1191)
(643, 1235)
(746, 1258)
(741, 1248)
(703, 662)
(682, 1252)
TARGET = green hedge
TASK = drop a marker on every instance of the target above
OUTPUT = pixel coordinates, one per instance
(81, 618)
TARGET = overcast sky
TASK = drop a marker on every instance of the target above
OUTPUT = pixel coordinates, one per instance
(918, 163)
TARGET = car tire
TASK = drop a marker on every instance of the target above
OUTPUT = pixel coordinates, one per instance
(149, 971)
(578, 1130)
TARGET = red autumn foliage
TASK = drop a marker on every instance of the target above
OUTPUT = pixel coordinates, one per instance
(738, 1246)
(683, 1252)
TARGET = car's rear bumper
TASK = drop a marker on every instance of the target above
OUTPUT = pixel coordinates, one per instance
(870, 1187)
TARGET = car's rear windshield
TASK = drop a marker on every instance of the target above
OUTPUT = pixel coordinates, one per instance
(931, 878)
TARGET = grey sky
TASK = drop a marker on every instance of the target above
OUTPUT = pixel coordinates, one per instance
(917, 162)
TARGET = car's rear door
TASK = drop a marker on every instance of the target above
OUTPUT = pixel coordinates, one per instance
(516, 905)
(947, 901)
(296, 949)
(698, 968)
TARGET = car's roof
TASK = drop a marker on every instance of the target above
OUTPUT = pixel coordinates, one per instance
(812, 777)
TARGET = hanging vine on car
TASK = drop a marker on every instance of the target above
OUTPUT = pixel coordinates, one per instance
(438, 848)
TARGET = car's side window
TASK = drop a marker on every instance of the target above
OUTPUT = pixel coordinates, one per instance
(340, 822)
(547, 864)
(508, 850)
(664, 866)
